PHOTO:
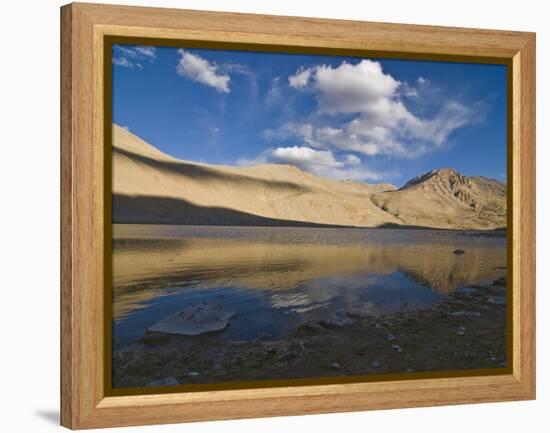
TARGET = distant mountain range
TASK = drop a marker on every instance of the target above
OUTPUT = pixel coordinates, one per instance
(151, 187)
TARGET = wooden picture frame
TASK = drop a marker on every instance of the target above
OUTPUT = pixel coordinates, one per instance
(84, 29)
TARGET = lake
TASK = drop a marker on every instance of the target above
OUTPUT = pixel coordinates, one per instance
(276, 278)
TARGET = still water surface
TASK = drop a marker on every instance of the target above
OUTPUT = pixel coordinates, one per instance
(275, 278)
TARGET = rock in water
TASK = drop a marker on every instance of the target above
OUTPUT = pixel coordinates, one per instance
(396, 348)
(338, 320)
(195, 320)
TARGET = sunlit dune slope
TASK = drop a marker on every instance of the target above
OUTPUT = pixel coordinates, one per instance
(150, 186)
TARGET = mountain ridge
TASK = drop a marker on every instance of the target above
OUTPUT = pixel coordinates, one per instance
(151, 187)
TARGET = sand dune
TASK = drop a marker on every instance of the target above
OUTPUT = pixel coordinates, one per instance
(150, 186)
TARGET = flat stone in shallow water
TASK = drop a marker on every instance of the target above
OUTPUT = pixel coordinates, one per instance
(198, 319)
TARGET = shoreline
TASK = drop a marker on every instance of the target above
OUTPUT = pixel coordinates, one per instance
(465, 330)
(502, 231)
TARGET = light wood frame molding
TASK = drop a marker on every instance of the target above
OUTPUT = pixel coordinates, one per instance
(83, 29)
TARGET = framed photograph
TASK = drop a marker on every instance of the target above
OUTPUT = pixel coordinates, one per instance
(265, 215)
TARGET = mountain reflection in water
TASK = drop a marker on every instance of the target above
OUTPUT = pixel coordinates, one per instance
(276, 277)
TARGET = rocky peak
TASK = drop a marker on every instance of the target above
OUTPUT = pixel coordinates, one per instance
(444, 176)
(446, 181)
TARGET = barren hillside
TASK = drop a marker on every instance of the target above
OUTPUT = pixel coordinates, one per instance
(152, 187)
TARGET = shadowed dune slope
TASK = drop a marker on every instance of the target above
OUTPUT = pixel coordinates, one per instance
(148, 185)
(152, 187)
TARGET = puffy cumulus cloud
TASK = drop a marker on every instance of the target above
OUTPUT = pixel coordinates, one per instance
(381, 124)
(300, 79)
(132, 56)
(196, 68)
(353, 88)
(306, 157)
(322, 163)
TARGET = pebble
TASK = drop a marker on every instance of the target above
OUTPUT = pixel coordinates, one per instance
(338, 320)
(375, 364)
(288, 357)
(390, 337)
(498, 300)
(500, 281)
(396, 348)
(165, 381)
(466, 313)
(335, 365)
(193, 374)
(467, 290)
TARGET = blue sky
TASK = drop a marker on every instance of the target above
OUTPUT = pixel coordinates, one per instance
(371, 120)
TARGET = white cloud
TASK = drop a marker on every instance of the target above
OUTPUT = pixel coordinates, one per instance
(382, 123)
(300, 78)
(323, 163)
(304, 131)
(353, 88)
(319, 162)
(274, 94)
(149, 52)
(306, 157)
(130, 56)
(352, 160)
(122, 61)
(196, 68)
(249, 162)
